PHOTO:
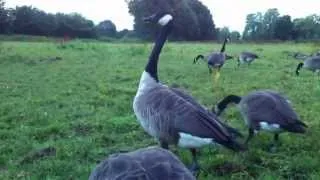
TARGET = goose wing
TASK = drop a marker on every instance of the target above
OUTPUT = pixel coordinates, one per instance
(187, 97)
(315, 61)
(185, 115)
(270, 107)
(146, 163)
(200, 107)
(216, 59)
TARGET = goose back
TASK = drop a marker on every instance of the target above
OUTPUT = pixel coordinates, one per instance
(151, 163)
(165, 115)
(269, 107)
(312, 63)
(216, 59)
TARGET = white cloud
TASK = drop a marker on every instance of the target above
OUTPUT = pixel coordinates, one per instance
(230, 13)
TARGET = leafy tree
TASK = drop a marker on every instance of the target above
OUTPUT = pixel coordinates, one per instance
(223, 33)
(74, 25)
(193, 20)
(269, 22)
(3, 17)
(254, 28)
(307, 28)
(106, 28)
(122, 33)
(283, 28)
(235, 36)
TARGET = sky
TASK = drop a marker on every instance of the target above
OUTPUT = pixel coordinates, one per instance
(230, 13)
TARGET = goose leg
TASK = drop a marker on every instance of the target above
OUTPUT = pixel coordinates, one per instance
(251, 133)
(273, 145)
(210, 70)
(194, 167)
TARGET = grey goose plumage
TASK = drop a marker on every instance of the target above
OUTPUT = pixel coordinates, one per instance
(151, 163)
(311, 63)
(247, 57)
(215, 59)
(265, 110)
(171, 116)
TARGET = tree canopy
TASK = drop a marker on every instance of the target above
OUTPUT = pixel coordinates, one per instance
(272, 26)
(193, 20)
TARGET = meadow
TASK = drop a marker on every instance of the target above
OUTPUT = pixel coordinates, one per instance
(64, 108)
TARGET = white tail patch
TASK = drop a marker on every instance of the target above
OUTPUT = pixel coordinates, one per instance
(165, 19)
(270, 127)
(189, 141)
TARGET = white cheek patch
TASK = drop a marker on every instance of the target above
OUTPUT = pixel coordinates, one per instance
(189, 141)
(270, 127)
(165, 20)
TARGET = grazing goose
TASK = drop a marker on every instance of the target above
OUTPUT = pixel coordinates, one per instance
(151, 163)
(247, 57)
(265, 110)
(215, 60)
(170, 115)
(311, 63)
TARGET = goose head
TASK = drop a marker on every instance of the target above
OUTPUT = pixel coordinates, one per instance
(161, 18)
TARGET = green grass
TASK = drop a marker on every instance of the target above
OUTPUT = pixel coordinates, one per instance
(82, 106)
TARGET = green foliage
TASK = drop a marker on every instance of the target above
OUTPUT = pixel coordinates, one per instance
(3, 17)
(188, 13)
(283, 28)
(271, 26)
(81, 106)
(106, 28)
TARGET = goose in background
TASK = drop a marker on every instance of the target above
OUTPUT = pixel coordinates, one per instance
(311, 63)
(265, 110)
(170, 115)
(151, 163)
(247, 57)
(215, 60)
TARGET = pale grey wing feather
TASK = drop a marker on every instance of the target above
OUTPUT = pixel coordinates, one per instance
(147, 164)
(191, 100)
(316, 61)
(187, 97)
(216, 59)
(272, 108)
(249, 54)
(183, 116)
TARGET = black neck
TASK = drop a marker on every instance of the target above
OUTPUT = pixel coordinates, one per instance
(152, 66)
(298, 68)
(229, 99)
(224, 45)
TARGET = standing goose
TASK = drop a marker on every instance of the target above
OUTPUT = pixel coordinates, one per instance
(311, 63)
(145, 164)
(265, 110)
(247, 57)
(215, 60)
(171, 116)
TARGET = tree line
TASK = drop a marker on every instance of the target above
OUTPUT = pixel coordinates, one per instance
(272, 26)
(32, 21)
(193, 21)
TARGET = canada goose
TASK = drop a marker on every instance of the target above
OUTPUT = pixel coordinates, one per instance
(215, 60)
(247, 57)
(311, 63)
(171, 116)
(265, 110)
(144, 164)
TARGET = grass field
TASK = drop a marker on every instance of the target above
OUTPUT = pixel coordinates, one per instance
(59, 118)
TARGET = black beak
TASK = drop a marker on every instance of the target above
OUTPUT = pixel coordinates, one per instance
(149, 19)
